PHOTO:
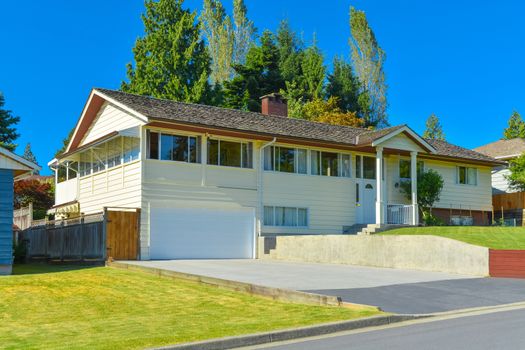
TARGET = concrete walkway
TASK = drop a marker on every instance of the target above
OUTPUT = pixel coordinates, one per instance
(393, 290)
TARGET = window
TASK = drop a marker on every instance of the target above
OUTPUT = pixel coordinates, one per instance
(99, 158)
(230, 153)
(285, 159)
(179, 148)
(85, 165)
(405, 168)
(358, 166)
(467, 176)
(114, 152)
(131, 149)
(369, 168)
(67, 171)
(285, 216)
(330, 164)
(357, 199)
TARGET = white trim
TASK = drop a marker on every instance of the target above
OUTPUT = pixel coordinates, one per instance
(93, 92)
(18, 159)
(399, 131)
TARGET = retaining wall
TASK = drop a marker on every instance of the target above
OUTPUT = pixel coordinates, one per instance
(507, 263)
(428, 253)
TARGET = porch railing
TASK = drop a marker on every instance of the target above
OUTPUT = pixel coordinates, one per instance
(399, 214)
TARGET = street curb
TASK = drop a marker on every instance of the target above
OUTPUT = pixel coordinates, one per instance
(253, 289)
(289, 334)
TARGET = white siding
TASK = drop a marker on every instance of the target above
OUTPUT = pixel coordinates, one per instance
(330, 200)
(116, 187)
(499, 183)
(394, 195)
(454, 195)
(8, 163)
(401, 141)
(109, 119)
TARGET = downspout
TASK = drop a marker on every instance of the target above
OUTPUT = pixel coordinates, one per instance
(260, 185)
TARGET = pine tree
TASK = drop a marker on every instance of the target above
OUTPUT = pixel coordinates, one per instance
(368, 59)
(434, 130)
(290, 53)
(171, 60)
(259, 76)
(244, 32)
(8, 132)
(313, 71)
(218, 31)
(516, 127)
(343, 84)
(30, 156)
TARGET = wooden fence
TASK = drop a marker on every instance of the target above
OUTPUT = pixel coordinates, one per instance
(107, 235)
(508, 201)
(23, 217)
(67, 240)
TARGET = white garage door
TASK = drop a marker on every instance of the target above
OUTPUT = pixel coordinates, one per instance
(202, 233)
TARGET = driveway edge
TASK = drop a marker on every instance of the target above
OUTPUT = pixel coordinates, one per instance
(269, 292)
(290, 334)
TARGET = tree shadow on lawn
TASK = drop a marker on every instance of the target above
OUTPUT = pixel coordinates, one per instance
(43, 268)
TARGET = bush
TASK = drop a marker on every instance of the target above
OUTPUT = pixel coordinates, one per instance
(20, 252)
(431, 220)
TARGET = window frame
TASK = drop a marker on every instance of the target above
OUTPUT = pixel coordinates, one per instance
(467, 176)
(418, 163)
(274, 163)
(188, 160)
(242, 145)
(284, 208)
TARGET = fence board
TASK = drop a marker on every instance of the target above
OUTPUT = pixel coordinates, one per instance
(508, 201)
(122, 234)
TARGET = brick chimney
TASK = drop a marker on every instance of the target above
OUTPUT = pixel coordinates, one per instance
(274, 104)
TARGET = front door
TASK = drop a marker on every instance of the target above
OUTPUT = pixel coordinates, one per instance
(366, 212)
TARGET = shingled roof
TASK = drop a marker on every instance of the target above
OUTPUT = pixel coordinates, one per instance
(503, 149)
(270, 125)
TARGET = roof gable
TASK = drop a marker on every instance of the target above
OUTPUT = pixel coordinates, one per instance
(11, 161)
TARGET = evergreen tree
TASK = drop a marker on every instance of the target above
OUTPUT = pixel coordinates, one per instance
(313, 71)
(259, 76)
(516, 127)
(218, 31)
(434, 130)
(290, 53)
(30, 156)
(244, 32)
(368, 59)
(8, 132)
(171, 60)
(343, 84)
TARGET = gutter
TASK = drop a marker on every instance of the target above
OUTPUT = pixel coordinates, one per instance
(260, 185)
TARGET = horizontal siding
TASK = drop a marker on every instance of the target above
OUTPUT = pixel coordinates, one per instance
(500, 183)
(401, 141)
(6, 216)
(330, 201)
(109, 119)
(8, 163)
(118, 187)
(457, 196)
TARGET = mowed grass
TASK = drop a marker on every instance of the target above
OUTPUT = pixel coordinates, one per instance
(486, 236)
(45, 307)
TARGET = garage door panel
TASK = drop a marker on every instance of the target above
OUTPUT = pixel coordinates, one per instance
(201, 233)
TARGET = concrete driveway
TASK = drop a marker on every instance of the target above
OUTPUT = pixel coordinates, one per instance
(393, 290)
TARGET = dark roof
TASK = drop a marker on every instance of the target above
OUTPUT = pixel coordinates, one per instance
(503, 148)
(235, 119)
(449, 150)
(271, 125)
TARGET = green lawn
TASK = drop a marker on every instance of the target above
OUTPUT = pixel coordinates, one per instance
(486, 236)
(104, 308)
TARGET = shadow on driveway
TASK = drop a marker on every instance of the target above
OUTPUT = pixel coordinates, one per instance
(436, 296)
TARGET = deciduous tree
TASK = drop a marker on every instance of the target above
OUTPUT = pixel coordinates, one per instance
(313, 71)
(368, 59)
(171, 60)
(516, 178)
(244, 32)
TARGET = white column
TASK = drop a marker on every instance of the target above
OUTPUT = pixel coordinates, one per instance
(379, 186)
(204, 158)
(413, 177)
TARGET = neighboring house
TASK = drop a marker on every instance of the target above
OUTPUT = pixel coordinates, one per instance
(11, 168)
(503, 150)
(209, 180)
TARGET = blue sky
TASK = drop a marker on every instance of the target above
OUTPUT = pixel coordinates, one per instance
(462, 60)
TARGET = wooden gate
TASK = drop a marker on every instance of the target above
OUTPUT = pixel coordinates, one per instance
(122, 234)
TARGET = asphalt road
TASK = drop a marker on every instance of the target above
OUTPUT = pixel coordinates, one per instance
(499, 330)
(436, 296)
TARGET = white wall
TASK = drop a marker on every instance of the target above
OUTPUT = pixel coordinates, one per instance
(109, 119)
(499, 183)
(117, 187)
